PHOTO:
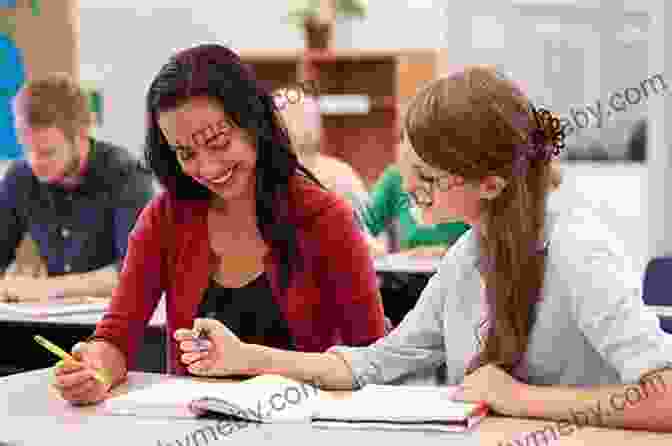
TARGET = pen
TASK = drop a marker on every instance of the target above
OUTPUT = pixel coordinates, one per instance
(201, 336)
(56, 350)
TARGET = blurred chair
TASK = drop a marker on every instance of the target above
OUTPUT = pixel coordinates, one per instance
(657, 284)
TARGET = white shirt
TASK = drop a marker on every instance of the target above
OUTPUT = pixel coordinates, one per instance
(591, 327)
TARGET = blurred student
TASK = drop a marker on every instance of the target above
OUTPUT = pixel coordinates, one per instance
(242, 233)
(78, 198)
(390, 202)
(535, 313)
(304, 124)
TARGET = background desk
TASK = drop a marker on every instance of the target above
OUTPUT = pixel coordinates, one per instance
(65, 331)
(401, 279)
(32, 414)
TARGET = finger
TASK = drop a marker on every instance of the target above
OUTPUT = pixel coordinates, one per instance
(188, 358)
(195, 345)
(69, 380)
(211, 326)
(183, 334)
(78, 349)
(201, 367)
(64, 367)
(83, 392)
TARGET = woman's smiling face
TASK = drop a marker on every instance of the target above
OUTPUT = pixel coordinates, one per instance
(210, 148)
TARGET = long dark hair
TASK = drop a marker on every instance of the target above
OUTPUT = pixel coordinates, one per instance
(217, 72)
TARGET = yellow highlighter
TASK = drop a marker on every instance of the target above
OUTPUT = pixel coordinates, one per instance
(58, 351)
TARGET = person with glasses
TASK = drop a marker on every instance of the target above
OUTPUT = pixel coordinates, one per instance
(74, 198)
(535, 311)
(242, 234)
(389, 201)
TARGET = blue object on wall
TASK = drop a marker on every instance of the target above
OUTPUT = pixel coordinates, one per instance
(7, 3)
(12, 77)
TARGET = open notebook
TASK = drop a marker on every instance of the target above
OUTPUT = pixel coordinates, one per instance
(273, 399)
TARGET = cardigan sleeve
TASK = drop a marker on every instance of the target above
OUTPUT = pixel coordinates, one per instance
(346, 276)
(140, 283)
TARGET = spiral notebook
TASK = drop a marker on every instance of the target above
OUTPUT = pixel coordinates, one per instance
(274, 399)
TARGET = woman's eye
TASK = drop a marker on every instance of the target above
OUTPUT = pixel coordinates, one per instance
(426, 179)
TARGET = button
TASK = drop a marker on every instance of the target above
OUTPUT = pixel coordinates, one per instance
(67, 268)
(65, 232)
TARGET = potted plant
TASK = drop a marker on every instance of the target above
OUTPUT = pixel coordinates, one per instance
(305, 14)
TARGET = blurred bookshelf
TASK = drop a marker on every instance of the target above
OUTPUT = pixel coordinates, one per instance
(362, 92)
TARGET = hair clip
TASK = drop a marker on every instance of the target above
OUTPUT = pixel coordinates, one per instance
(536, 148)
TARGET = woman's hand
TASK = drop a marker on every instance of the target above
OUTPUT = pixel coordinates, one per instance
(493, 385)
(222, 355)
(75, 382)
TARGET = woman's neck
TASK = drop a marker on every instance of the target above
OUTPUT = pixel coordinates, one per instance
(242, 208)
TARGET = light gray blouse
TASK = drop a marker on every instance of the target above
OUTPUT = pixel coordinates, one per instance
(591, 327)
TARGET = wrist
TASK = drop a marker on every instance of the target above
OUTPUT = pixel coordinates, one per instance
(256, 358)
(527, 404)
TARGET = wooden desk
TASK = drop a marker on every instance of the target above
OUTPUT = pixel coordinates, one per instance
(65, 331)
(33, 414)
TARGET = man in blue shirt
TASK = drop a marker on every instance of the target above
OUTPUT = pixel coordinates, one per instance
(77, 198)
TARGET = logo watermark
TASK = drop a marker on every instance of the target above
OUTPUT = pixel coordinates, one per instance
(632, 396)
(581, 117)
(277, 402)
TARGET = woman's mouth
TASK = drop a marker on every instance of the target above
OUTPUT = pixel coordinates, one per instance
(222, 179)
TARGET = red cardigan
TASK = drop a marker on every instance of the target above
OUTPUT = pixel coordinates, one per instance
(335, 299)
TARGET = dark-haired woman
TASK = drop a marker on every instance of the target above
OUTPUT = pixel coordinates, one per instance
(242, 234)
(535, 311)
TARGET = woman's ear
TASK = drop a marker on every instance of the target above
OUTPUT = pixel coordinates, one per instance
(491, 186)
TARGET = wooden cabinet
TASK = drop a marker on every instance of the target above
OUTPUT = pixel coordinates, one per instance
(388, 78)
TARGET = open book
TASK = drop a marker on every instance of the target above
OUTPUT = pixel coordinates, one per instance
(273, 399)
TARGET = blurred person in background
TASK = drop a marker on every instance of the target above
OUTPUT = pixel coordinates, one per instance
(390, 201)
(75, 197)
(304, 124)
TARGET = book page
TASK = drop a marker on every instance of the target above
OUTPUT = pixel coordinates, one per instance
(397, 403)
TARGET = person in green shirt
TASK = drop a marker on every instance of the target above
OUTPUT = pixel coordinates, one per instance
(388, 201)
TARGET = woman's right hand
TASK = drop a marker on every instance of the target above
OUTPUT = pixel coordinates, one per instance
(75, 381)
(223, 354)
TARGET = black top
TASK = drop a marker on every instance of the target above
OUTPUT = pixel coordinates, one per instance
(250, 312)
(78, 230)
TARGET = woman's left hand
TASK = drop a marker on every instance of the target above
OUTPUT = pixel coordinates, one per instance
(222, 354)
(497, 388)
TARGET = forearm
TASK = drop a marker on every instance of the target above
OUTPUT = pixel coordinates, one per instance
(647, 405)
(326, 370)
(100, 282)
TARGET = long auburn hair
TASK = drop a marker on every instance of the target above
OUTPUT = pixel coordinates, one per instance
(469, 124)
(217, 72)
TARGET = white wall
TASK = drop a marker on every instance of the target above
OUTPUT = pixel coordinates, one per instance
(124, 43)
